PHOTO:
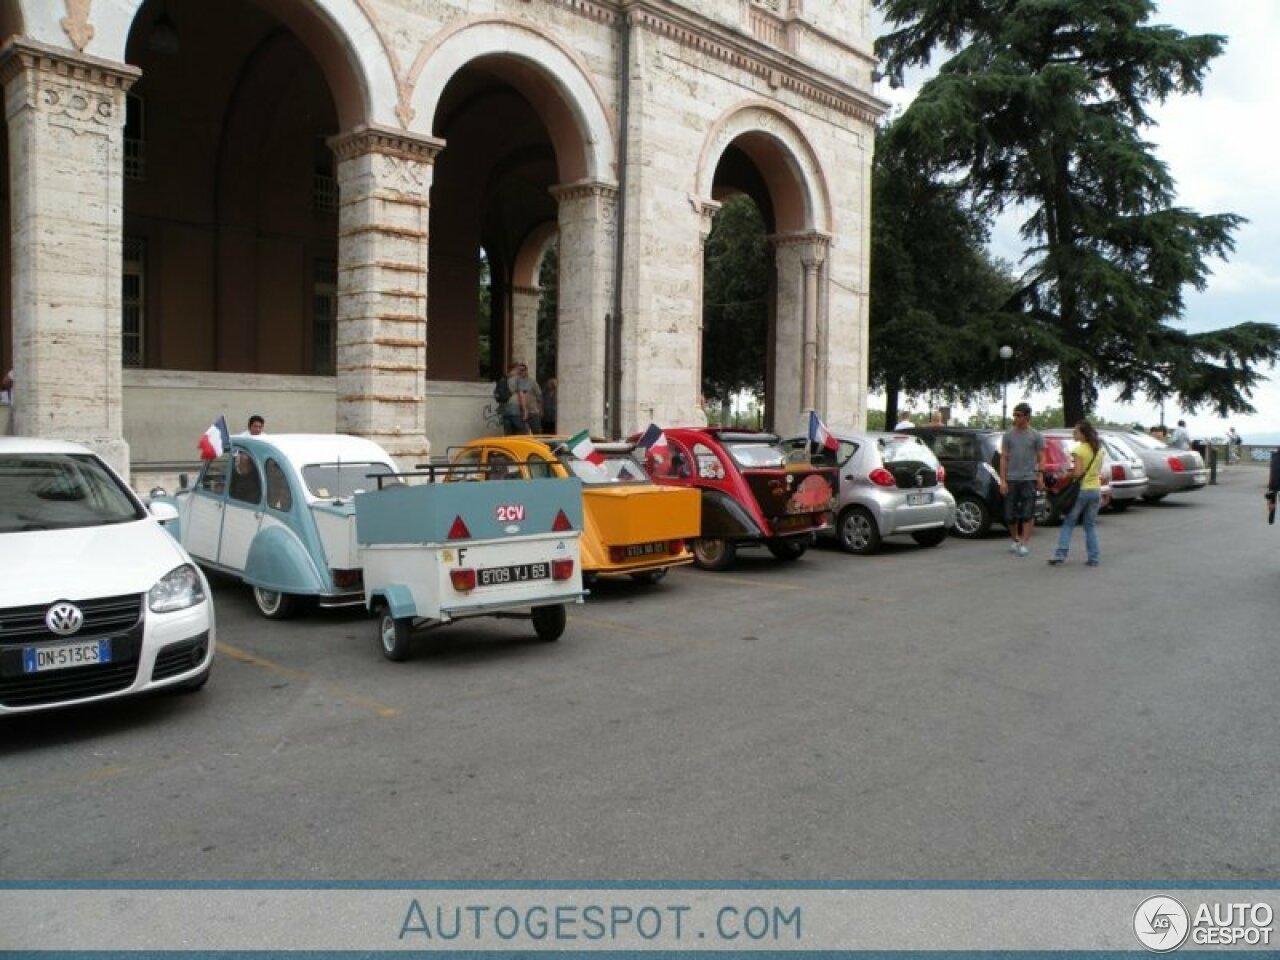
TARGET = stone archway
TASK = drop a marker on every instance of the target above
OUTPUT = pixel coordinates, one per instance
(782, 172)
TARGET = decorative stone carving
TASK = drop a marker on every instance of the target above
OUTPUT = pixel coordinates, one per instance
(76, 23)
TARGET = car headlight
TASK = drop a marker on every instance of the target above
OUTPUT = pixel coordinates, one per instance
(176, 590)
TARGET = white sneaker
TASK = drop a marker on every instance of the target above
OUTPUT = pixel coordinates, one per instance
(1013, 547)
(1023, 550)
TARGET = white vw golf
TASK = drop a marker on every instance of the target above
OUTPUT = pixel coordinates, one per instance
(96, 599)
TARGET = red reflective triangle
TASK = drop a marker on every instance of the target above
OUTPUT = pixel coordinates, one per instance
(459, 530)
(561, 523)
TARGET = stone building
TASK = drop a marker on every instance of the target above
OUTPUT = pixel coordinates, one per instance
(290, 206)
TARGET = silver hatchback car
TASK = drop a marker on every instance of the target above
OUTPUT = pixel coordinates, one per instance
(890, 485)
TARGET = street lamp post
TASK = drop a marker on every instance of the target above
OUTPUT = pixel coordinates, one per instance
(1005, 353)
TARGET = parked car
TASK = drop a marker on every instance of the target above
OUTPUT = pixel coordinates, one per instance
(99, 601)
(890, 485)
(751, 496)
(1169, 470)
(971, 459)
(632, 526)
(1059, 471)
(1126, 475)
(276, 511)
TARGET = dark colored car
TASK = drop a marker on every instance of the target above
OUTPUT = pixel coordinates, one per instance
(971, 458)
(751, 495)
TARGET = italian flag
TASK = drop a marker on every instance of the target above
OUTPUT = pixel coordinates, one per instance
(580, 446)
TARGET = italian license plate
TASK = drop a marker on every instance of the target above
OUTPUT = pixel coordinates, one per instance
(916, 499)
(516, 573)
(795, 521)
(645, 549)
(87, 653)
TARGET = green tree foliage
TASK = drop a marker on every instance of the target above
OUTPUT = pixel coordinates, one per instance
(735, 313)
(937, 319)
(1041, 107)
(549, 311)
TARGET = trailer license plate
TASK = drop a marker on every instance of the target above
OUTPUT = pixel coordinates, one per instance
(916, 499)
(84, 654)
(517, 573)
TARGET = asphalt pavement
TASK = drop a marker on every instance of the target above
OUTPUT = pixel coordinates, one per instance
(954, 713)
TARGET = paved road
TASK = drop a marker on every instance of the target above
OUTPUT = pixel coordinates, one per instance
(949, 713)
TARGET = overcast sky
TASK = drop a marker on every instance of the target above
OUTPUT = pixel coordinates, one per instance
(1220, 148)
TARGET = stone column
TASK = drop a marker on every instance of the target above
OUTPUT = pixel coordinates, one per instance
(66, 165)
(707, 210)
(588, 221)
(384, 179)
(798, 259)
(524, 326)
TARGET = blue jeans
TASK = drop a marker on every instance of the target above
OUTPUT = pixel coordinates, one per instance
(1086, 507)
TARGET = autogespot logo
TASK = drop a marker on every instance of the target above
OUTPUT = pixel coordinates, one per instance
(1161, 924)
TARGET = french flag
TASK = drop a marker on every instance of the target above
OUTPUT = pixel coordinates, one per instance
(653, 440)
(819, 434)
(215, 441)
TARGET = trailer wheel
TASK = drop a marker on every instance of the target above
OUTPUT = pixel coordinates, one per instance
(549, 622)
(275, 605)
(395, 634)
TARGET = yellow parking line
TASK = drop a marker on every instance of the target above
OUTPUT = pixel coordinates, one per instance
(102, 773)
(253, 660)
(743, 581)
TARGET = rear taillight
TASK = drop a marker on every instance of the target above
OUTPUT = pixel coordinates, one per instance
(1175, 464)
(882, 477)
(1117, 473)
(617, 554)
(463, 579)
(561, 569)
(942, 474)
(346, 578)
(675, 546)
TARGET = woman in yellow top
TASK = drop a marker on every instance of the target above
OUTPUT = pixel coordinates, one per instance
(1086, 459)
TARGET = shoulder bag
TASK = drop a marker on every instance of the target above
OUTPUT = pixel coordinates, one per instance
(1071, 492)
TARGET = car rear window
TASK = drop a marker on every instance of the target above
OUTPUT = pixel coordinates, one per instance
(899, 449)
(756, 454)
(57, 491)
(338, 481)
(618, 468)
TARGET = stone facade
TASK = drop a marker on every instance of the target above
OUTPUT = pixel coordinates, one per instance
(641, 102)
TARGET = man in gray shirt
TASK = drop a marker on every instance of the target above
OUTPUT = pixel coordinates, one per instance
(1021, 476)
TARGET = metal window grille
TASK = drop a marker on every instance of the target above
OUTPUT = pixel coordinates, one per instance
(135, 155)
(324, 310)
(133, 276)
(324, 193)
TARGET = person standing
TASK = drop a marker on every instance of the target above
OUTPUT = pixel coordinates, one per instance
(535, 400)
(1086, 468)
(1233, 445)
(904, 421)
(515, 416)
(1181, 439)
(256, 426)
(1021, 476)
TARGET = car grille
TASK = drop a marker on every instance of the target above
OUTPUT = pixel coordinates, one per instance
(117, 617)
(178, 658)
(112, 615)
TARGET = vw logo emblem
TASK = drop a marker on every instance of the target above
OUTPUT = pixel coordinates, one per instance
(64, 618)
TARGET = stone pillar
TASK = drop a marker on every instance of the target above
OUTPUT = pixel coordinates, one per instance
(588, 221)
(524, 327)
(798, 259)
(66, 165)
(384, 180)
(707, 211)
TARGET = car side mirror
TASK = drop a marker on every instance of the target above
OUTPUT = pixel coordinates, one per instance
(163, 511)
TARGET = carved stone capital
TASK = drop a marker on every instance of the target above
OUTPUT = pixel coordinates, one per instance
(71, 88)
(584, 190)
(819, 243)
(367, 139)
